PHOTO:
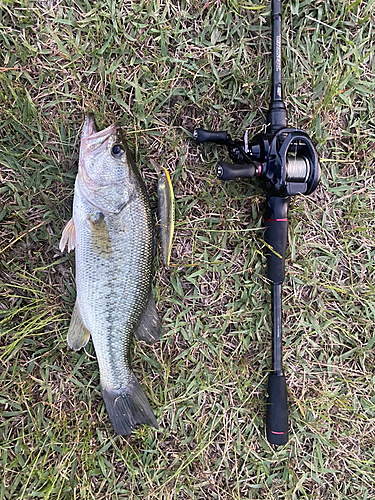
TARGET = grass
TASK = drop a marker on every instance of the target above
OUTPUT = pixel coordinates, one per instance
(164, 68)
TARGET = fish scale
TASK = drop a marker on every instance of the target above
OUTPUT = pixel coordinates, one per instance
(112, 232)
(112, 310)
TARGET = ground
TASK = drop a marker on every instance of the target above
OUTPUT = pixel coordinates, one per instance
(164, 68)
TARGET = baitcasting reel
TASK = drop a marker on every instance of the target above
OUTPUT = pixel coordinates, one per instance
(286, 164)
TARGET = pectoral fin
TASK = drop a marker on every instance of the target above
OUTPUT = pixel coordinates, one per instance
(100, 239)
(78, 334)
(68, 236)
(149, 327)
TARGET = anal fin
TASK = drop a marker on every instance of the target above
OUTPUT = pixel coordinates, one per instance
(149, 327)
(78, 334)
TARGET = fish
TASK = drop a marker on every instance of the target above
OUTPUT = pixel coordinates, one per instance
(112, 233)
(166, 212)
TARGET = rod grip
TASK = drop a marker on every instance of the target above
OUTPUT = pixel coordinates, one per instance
(200, 135)
(276, 236)
(277, 410)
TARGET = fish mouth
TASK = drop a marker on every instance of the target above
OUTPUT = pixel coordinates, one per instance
(93, 141)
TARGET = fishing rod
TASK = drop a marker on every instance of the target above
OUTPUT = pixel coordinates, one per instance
(286, 164)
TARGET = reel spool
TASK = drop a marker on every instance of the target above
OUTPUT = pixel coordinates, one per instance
(297, 168)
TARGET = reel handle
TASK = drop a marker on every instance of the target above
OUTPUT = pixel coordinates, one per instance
(228, 171)
(200, 135)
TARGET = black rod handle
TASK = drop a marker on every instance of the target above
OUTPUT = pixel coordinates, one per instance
(277, 347)
(200, 135)
(277, 410)
(276, 236)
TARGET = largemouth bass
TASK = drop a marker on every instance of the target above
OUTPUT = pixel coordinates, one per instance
(113, 236)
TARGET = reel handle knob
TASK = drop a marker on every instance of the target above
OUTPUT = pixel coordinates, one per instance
(228, 171)
(200, 135)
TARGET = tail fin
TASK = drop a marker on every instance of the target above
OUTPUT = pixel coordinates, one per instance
(128, 407)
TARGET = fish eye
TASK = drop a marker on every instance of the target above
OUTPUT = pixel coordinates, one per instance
(117, 150)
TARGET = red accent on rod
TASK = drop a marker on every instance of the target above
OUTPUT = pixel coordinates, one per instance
(278, 433)
(276, 220)
(259, 169)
